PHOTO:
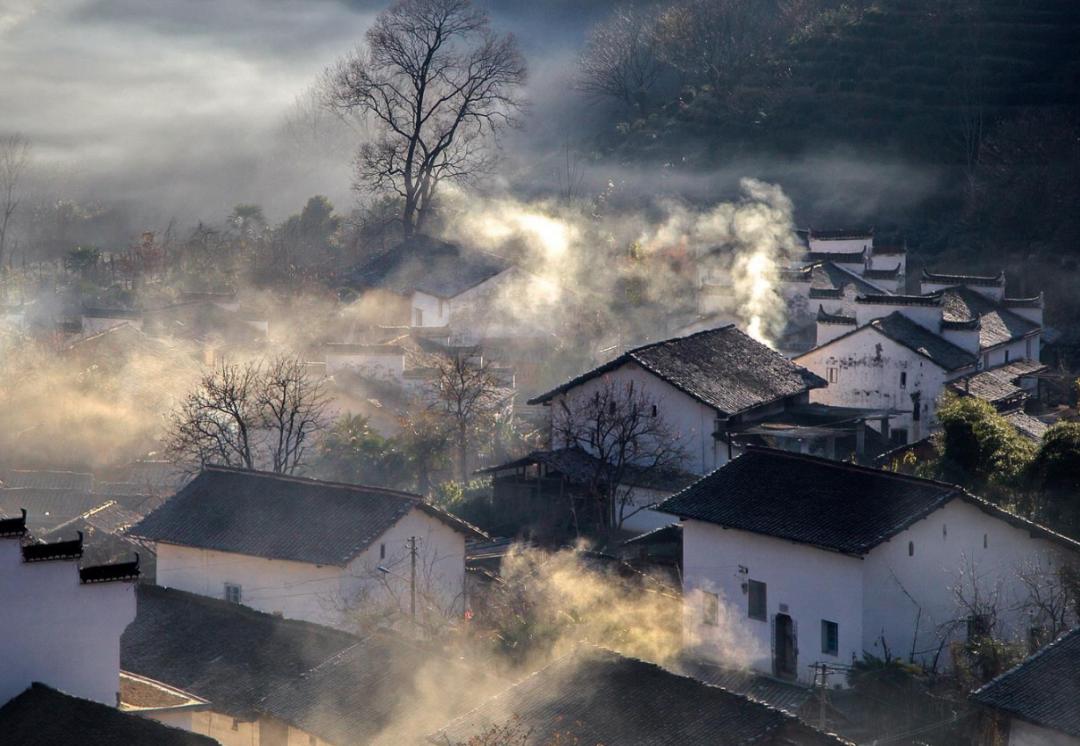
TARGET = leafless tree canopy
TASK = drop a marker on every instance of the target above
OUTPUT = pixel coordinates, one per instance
(621, 58)
(625, 429)
(468, 396)
(14, 158)
(252, 415)
(437, 82)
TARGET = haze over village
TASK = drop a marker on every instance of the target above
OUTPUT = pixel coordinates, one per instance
(490, 373)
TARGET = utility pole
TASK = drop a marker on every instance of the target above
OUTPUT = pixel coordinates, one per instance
(822, 720)
(411, 543)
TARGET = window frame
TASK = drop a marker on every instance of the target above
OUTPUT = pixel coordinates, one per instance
(232, 589)
(830, 637)
(763, 612)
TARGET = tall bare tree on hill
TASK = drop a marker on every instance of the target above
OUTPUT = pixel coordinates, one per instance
(438, 83)
(14, 159)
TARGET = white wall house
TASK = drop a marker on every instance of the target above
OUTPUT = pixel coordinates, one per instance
(1037, 703)
(704, 385)
(323, 552)
(890, 363)
(59, 625)
(818, 561)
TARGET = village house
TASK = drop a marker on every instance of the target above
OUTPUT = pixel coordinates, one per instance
(900, 352)
(820, 561)
(1037, 703)
(306, 549)
(267, 681)
(593, 695)
(61, 624)
(717, 389)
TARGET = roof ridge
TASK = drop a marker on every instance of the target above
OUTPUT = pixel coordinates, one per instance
(850, 466)
(684, 337)
(309, 480)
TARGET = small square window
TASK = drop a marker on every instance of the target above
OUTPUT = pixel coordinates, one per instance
(710, 611)
(232, 593)
(758, 607)
(830, 637)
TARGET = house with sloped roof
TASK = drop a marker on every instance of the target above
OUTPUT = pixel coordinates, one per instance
(263, 679)
(43, 716)
(597, 696)
(1037, 703)
(704, 386)
(61, 623)
(815, 561)
(324, 552)
(902, 351)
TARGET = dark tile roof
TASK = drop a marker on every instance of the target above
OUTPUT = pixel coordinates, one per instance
(1028, 426)
(902, 330)
(1035, 302)
(898, 300)
(783, 695)
(362, 694)
(70, 481)
(1044, 689)
(42, 716)
(839, 257)
(110, 573)
(998, 385)
(56, 550)
(830, 276)
(889, 249)
(595, 696)
(435, 267)
(829, 504)
(842, 234)
(997, 324)
(225, 653)
(580, 467)
(282, 517)
(48, 508)
(15, 526)
(979, 280)
(723, 368)
(834, 318)
(882, 274)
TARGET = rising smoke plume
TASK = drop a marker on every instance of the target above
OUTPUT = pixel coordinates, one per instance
(584, 261)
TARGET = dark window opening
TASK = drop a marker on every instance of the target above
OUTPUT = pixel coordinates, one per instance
(757, 608)
(830, 637)
(903, 379)
(911, 549)
(232, 593)
(382, 551)
(655, 411)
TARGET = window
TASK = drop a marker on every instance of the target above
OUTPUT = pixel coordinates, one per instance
(898, 435)
(830, 637)
(916, 410)
(1006, 356)
(986, 540)
(911, 549)
(903, 379)
(611, 407)
(382, 551)
(232, 593)
(757, 601)
(655, 411)
(944, 531)
(440, 308)
(833, 372)
(236, 724)
(710, 612)
(418, 317)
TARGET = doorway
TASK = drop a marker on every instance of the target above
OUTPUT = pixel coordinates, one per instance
(785, 652)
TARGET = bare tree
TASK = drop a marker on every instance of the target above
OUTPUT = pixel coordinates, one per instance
(14, 158)
(621, 60)
(437, 82)
(251, 415)
(1052, 601)
(623, 427)
(469, 396)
